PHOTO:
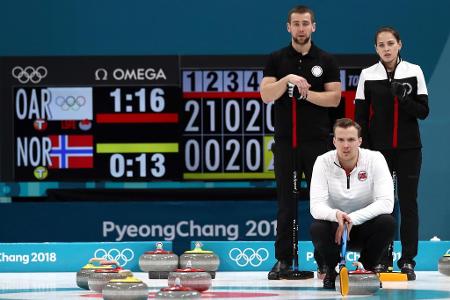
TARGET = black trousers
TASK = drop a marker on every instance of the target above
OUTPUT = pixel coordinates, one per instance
(370, 239)
(306, 155)
(407, 163)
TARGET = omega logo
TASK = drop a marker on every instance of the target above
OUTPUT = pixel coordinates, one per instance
(131, 74)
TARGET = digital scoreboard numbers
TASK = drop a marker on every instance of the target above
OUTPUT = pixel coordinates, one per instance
(115, 119)
(227, 129)
(112, 133)
(137, 135)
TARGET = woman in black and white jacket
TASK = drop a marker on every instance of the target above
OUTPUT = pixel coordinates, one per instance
(390, 98)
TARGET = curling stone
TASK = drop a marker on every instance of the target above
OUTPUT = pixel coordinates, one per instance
(177, 292)
(360, 281)
(196, 279)
(129, 288)
(201, 259)
(444, 264)
(100, 278)
(158, 263)
(88, 269)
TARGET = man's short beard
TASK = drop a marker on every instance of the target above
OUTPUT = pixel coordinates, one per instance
(297, 41)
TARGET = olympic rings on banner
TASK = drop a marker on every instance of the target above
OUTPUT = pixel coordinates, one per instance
(121, 256)
(249, 256)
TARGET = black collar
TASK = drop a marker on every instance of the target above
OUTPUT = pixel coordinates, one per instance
(313, 51)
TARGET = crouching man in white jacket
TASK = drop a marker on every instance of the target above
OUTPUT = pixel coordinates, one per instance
(352, 187)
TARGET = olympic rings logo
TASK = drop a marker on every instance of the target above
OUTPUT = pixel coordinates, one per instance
(70, 102)
(121, 256)
(29, 74)
(249, 256)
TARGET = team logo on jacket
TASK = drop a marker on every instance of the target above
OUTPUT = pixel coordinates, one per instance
(408, 88)
(362, 175)
(317, 71)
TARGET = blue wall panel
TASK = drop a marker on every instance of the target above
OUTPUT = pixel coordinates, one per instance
(116, 27)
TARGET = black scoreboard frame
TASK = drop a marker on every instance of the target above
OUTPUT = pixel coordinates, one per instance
(150, 79)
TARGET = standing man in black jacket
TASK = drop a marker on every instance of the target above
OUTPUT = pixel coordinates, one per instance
(315, 76)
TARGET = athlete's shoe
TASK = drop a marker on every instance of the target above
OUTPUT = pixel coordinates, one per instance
(380, 268)
(329, 279)
(280, 270)
(408, 269)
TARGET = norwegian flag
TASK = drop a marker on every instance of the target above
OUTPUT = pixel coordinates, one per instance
(72, 151)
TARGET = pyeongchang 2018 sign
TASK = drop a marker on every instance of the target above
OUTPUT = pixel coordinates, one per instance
(70, 257)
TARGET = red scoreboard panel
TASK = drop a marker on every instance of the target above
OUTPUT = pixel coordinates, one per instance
(142, 118)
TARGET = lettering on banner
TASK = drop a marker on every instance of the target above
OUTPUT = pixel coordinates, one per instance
(25, 259)
(351, 256)
(188, 228)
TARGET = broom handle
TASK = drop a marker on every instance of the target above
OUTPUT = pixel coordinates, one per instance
(344, 246)
(391, 245)
(291, 87)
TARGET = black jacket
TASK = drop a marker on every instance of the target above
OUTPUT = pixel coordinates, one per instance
(318, 68)
(389, 121)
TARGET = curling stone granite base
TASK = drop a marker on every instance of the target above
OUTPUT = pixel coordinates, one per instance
(360, 283)
(125, 289)
(158, 261)
(205, 261)
(177, 292)
(83, 277)
(444, 264)
(97, 281)
(200, 281)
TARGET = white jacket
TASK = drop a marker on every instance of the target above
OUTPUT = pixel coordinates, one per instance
(367, 192)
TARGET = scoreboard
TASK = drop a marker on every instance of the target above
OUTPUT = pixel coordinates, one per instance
(227, 129)
(141, 118)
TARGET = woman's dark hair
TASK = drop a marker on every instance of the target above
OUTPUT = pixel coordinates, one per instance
(387, 29)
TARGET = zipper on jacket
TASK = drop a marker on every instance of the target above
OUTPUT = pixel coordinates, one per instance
(390, 77)
(348, 175)
(348, 181)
